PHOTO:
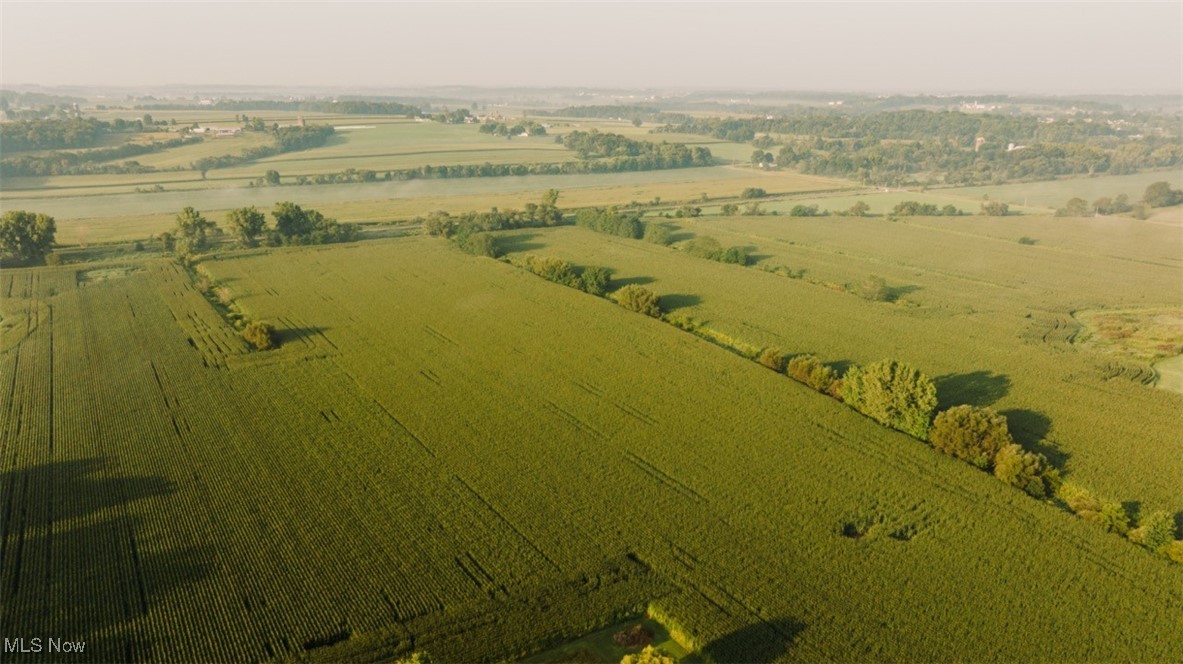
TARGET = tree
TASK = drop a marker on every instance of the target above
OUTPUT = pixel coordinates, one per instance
(992, 209)
(972, 433)
(1156, 531)
(658, 234)
(271, 177)
(291, 220)
(261, 335)
(1110, 516)
(638, 299)
(729, 209)
(892, 393)
(1026, 470)
(809, 369)
(248, 223)
(637, 122)
(753, 192)
(594, 280)
(1160, 194)
(772, 358)
(550, 198)
(27, 236)
(1075, 207)
(859, 209)
(649, 655)
(193, 231)
(874, 288)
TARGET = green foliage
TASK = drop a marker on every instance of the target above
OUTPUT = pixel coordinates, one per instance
(1160, 194)
(892, 393)
(688, 211)
(26, 236)
(523, 128)
(554, 269)
(975, 434)
(802, 210)
(1075, 207)
(1028, 471)
(772, 358)
(610, 222)
(1154, 532)
(648, 655)
(261, 335)
(918, 209)
(1108, 515)
(705, 246)
(989, 209)
(638, 299)
(296, 225)
(595, 280)
(248, 224)
(477, 243)
(729, 209)
(658, 233)
(625, 154)
(859, 209)
(753, 192)
(809, 369)
(193, 231)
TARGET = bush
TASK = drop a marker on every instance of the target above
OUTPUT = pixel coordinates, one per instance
(594, 280)
(874, 288)
(729, 209)
(477, 244)
(554, 269)
(261, 335)
(753, 192)
(975, 434)
(638, 299)
(894, 394)
(809, 369)
(1026, 470)
(1156, 532)
(658, 234)
(772, 358)
(995, 209)
(1174, 551)
(804, 211)
(1110, 516)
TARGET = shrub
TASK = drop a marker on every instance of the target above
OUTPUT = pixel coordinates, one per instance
(874, 288)
(1110, 516)
(554, 269)
(975, 434)
(638, 299)
(594, 280)
(1174, 551)
(1028, 471)
(892, 393)
(1026, 240)
(809, 369)
(753, 192)
(477, 244)
(657, 234)
(772, 358)
(261, 335)
(729, 209)
(995, 209)
(1155, 532)
(804, 211)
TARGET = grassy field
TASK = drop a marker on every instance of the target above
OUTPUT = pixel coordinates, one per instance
(1055, 194)
(990, 317)
(452, 453)
(128, 217)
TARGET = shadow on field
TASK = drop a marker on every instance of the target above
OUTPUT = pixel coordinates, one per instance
(680, 235)
(631, 281)
(79, 488)
(977, 388)
(840, 366)
(759, 643)
(894, 293)
(676, 301)
(107, 577)
(509, 244)
(291, 335)
(1030, 430)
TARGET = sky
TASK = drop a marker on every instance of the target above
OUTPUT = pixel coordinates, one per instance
(884, 46)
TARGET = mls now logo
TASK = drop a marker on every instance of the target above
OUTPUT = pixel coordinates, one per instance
(38, 644)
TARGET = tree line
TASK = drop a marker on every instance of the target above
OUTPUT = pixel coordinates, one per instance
(596, 145)
(1158, 194)
(294, 225)
(286, 139)
(344, 106)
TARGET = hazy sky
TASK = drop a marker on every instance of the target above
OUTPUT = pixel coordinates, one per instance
(1058, 48)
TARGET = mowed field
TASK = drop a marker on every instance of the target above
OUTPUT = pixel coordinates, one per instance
(989, 318)
(451, 454)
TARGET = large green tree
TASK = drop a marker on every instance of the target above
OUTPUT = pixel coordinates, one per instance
(971, 433)
(193, 231)
(892, 393)
(26, 236)
(248, 224)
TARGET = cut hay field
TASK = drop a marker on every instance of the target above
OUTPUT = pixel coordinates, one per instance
(990, 318)
(452, 455)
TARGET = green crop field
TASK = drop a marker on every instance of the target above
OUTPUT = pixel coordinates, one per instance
(989, 317)
(452, 455)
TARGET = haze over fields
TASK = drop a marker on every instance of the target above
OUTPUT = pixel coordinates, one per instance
(591, 332)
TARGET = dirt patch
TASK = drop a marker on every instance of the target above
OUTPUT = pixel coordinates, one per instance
(635, 636)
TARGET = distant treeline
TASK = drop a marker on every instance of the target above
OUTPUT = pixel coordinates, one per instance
(346, 107)
(913, 147)
(647, 155)
(287, 139)
(51, 134)
(88, 162)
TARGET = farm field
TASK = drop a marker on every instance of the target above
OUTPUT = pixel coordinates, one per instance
(1055, 193)
(126, 217)
(989, 318)
(374, 484)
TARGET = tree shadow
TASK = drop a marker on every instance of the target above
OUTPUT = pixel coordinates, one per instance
(632, 281)
(1030, 429)
(840, 366)
(79, 488)
(676, 301)
(681, 236)
(756, 644)
(518, 242)
(977, 388)
(894, 293)
(305, 335)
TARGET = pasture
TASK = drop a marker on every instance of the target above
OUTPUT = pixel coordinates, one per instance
(1055, 193)
(452, 453)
